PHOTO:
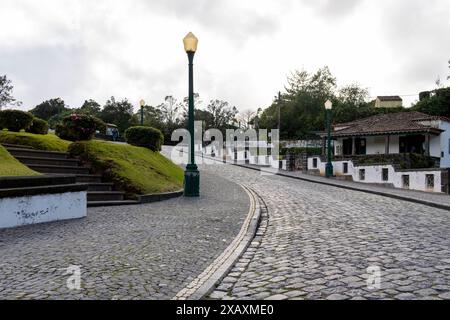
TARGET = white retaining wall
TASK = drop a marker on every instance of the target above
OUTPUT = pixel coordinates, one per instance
(21, 211)
(373, 174)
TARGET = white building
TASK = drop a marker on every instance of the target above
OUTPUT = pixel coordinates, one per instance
(374, 150)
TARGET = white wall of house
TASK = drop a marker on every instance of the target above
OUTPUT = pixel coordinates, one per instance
(376, 145)
(23, 211)
(444, 142)
(373, 174)
(394, 144)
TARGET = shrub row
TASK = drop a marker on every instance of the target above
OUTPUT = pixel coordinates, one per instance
(17, 120)
(147, 137)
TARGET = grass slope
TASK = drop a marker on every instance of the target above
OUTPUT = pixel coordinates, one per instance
(135, 170)
(48, 142)
(10, 167)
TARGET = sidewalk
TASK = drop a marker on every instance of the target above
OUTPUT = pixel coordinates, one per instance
(437, 200)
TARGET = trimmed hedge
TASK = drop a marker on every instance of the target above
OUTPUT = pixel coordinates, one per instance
(146, 137)
(38, 126)
(79, 127)
(15, 120)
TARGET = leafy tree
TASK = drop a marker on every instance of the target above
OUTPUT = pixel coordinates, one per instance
(436, 104)
(222, 114)
(6, 97)
(90, 107)
(302, 106)
(119, 113)
(49, 108)
(152, 117)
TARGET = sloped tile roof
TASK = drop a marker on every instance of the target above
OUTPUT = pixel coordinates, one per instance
(401, 122)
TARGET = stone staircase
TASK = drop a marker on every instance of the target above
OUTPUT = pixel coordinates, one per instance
(59, 163)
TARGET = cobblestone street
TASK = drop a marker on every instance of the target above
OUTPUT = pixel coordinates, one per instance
(134, 252)
(318, 241)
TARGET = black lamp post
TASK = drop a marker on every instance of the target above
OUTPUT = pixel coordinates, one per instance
(142, 103)
(191, 175)
(329, 166)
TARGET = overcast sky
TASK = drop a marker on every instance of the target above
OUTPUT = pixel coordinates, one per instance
(82, 49)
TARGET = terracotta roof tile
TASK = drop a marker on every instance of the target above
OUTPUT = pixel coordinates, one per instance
(387, 123)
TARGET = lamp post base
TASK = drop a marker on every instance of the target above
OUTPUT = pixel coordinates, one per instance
(329, 170)
(191, 181)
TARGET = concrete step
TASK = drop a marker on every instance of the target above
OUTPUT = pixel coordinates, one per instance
(89, 178)
(105, 196)
(111, 203)
(21, 152)
(59, 169)
(101, 186)
(48, 161)
(19, 146)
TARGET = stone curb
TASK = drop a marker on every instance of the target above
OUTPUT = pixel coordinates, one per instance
(205, 283)
(150, 198)
(379, 193)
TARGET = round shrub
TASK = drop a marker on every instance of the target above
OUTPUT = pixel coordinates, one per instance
(79, 127)
(38, 126)
(15, 120)
(147, 137)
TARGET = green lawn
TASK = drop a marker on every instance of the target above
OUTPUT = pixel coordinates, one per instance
(10, 167)
(49, 142)
(135, 170)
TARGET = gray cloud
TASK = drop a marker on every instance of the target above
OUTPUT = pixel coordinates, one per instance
(225, 18)
(47, 72)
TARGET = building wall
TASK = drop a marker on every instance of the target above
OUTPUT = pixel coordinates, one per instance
(373, 174)
(388, 104)
(444, 144)
(394, 144)
(376, 145)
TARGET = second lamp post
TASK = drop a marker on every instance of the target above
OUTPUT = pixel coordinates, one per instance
(191, 175)
(329, 166)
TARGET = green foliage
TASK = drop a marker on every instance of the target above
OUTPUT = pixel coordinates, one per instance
(49, 108)
(118, 113)
(146, 137)
(436, 104)
(15, 120)
(135, 170)
(302, 106)
(58, 118)
(10, 167)
(38, 126)
(90, 107)
(6, 98)
(405, 161)
(79, 127)
(48, 142)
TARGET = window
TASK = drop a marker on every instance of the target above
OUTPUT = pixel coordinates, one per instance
(345, 167)
(405, 181)
(362, 174)
(429, 181)
(385, 174)
(315, 163)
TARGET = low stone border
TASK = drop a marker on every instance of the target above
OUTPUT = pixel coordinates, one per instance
(205, 283)
(149, 198)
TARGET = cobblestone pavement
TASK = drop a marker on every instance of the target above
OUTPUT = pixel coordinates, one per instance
(135, 252)
(318, 241)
